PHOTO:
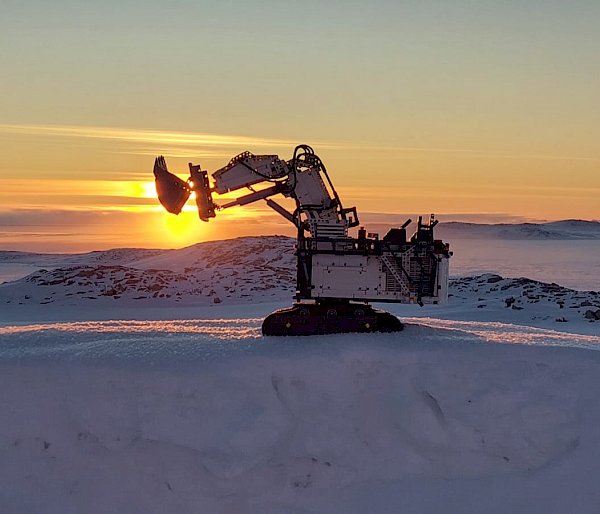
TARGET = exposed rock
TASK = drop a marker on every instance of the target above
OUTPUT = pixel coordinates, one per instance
(593, 315)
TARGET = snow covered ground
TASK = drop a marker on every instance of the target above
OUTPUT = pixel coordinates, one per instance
(208, 416)
(114, 398)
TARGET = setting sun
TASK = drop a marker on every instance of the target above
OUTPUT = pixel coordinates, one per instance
(182, 230)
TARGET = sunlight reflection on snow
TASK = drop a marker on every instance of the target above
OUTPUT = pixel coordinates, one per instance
(230, 329)
(497, 332)
(193, 340)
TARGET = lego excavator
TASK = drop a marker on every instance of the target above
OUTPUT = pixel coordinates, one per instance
(337, 274)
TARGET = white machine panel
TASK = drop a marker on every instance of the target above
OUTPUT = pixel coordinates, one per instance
(247, 169)
(366, 277)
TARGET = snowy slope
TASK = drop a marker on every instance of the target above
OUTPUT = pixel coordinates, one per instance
(15, 265)
(241, 270)
(268, 252)
(117, 256)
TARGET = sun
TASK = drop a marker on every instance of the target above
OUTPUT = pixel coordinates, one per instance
(183, 229)
(147, 190)
(135, 189)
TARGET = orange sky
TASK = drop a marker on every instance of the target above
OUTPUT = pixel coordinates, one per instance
(483, 111)
(80, 188)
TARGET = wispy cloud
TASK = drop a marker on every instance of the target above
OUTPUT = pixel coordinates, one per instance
(391, 219)
(178, 144)
(42, 229)
(38, 217)
(186, 152)
(142, 135)
(57, 230)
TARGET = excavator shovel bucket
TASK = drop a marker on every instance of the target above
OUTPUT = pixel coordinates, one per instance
(172, 191)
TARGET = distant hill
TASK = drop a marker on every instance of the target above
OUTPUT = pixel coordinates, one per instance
(556, 230)
(242, 269)
(228, 250)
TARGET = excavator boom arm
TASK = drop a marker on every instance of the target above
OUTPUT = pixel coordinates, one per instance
(318, 208)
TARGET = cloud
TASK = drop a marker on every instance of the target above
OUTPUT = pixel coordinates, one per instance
(85, 230)
(79, 217)
(469, 217)
(68, 230)
(143, 136)
(142, 141)
(61, 217)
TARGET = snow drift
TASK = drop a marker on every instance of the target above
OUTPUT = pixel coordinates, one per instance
(419, 422)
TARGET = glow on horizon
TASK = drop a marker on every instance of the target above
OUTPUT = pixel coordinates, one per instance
(74, 193)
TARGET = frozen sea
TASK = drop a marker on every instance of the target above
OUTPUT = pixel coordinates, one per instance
(574, 263)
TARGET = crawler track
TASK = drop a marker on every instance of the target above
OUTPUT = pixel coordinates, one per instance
(305, 319)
